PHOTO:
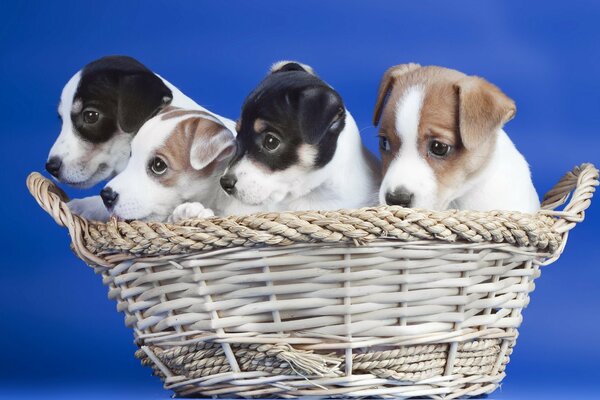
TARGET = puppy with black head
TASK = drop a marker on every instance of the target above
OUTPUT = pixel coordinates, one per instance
(102, 107)
(298, 148)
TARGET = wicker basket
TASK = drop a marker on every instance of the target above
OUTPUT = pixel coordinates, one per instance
(376, 302)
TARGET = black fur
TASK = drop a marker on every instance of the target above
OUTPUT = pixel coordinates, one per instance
(298, 108)
(123, 91)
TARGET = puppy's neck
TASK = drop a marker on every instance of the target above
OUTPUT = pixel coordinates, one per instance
(343, 181)
(504, 183)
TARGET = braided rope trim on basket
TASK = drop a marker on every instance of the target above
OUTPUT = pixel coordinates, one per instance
(411, 363)
(98, 242)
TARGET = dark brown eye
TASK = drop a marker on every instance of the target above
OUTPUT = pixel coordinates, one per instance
(384, 144)
(271, 142)
(158, 166)
(91, 116)
(438, 148)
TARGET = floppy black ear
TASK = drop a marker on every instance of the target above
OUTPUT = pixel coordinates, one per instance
(320, 111)
(140, 97)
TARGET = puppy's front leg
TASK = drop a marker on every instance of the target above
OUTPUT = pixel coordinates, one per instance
(189, 211)
(91, 208)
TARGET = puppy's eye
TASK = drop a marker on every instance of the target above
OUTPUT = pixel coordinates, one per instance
(90, 116)
(158, 166)
(438, 148)
(271, 142)
(384, 143)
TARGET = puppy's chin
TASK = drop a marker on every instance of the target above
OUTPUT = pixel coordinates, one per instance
(259, 196)
(102, 173)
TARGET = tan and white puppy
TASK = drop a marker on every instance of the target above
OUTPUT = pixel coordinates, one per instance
(443, 146)
(177, 157)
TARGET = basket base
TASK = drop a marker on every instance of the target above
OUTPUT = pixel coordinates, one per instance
(202, 369)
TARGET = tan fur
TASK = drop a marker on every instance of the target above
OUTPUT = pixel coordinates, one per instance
(176, 149)
(171, 112)
(259, 125)
(459, 110)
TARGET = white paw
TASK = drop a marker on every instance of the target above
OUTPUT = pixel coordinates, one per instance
(91, 208)
(190, 211)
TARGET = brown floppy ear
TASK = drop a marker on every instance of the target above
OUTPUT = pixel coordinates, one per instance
(211, 142)
(386, 86)
(482, 110)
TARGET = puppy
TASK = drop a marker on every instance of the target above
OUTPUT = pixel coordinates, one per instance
(298, 148)
(102, 107)
(177, 157)
(443, 146)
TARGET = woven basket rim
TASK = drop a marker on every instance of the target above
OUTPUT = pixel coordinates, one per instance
(545, 230)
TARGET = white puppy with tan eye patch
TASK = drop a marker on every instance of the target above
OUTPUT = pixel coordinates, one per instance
(443, 146)
(176, 161)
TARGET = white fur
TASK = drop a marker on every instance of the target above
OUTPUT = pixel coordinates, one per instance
(503, 184)
(188, 211)
(82, 167)
(142, 196)
(345, 182)
(279, 64)
(83, 164)
(409, 169)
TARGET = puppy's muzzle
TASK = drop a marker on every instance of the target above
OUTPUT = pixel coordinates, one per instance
(109, 197)
(53, 166)
(399, 197)
(228, 183)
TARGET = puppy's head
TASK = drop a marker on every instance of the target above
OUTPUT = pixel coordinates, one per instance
(288, 131)
(438, 130)
(177, 156)
(101, 108)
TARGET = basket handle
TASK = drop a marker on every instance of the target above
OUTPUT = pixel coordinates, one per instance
(582, 182)
(54, 201)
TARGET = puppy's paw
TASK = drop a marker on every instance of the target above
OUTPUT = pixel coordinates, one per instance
(190, 211)
(91, 208)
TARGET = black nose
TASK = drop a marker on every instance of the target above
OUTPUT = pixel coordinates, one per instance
(109, 197)
(228, 183)
(399, 197)
(53, 166)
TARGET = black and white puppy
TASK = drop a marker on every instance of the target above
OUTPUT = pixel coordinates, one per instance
(298, 148)
(102, 107)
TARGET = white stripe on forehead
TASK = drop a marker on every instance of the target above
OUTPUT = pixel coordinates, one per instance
(67, 95)
(152, 134)
(408, 115)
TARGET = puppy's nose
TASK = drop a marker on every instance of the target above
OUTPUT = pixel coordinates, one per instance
(399, 197)
(228, 183)
(53, 166)
(109, 197)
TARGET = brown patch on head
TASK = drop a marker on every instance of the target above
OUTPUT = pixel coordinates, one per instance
(259, 125)
(191, 139)
(460, 111)
(176, 112)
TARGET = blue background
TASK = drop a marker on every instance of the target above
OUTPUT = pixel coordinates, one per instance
(60, 335)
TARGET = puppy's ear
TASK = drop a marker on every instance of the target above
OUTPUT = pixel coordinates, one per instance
(320, 110)
(140, 97)
(283, 66)
(482, 109)
(385, 87)
(211, 142)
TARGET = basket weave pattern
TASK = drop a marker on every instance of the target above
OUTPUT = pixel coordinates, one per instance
(381, 301)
